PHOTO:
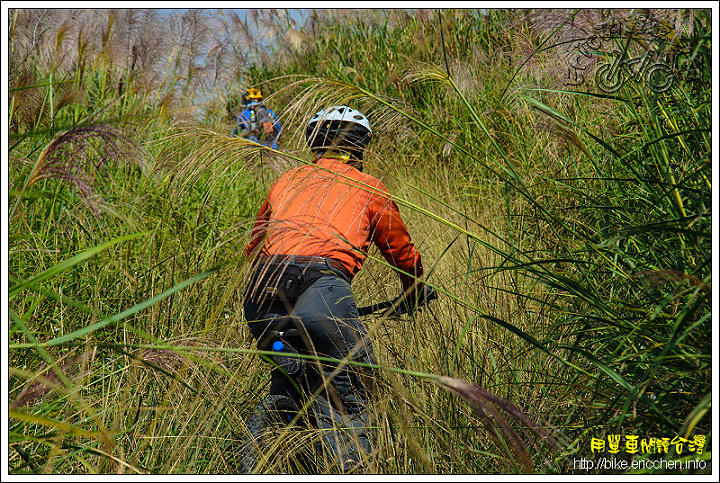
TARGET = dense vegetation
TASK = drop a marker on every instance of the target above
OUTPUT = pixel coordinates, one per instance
(562, 205)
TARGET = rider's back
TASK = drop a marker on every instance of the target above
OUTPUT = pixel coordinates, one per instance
(331, 209)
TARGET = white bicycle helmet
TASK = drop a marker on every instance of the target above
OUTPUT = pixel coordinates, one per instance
(339, 127)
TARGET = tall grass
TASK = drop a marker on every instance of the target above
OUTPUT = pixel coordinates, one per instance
(566, 229)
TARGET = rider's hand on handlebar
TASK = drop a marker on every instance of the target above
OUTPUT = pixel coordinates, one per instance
(407, 303)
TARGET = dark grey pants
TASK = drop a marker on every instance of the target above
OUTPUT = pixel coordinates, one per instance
(327, 315)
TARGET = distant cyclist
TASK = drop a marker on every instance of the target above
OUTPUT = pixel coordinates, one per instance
(257, 122)
(311, 236)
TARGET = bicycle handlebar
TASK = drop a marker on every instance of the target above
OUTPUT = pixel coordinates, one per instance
(283, 342)
(292, 336)
(397, 303)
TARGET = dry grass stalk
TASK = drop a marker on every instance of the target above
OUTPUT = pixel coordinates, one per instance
(487, 406)
(670, 276)
(48, 379)
(76, 156)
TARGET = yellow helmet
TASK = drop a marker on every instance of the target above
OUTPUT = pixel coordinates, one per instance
(252, 95)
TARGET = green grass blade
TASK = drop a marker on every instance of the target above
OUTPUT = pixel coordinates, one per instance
(69, 263)
(126, 313)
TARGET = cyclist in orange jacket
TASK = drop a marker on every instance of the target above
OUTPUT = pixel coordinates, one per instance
(311, 236)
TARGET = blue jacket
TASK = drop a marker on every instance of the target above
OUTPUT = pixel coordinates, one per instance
(243, 127)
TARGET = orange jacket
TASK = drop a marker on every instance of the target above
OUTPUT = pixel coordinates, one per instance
(330, 209)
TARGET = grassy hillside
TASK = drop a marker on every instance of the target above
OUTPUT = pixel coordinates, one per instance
(553, 167)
